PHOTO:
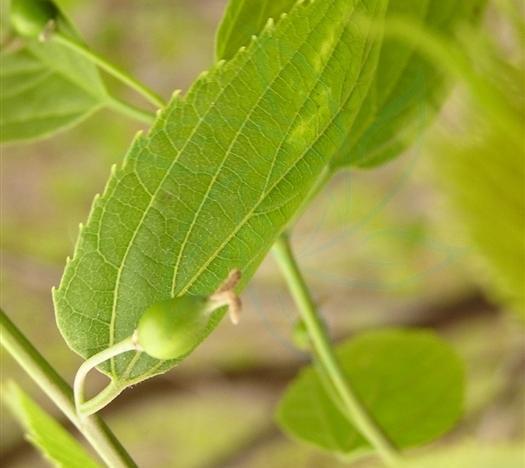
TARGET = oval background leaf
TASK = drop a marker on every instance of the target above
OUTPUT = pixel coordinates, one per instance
(410, 381)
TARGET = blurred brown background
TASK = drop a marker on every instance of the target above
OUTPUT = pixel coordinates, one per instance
(377, 248)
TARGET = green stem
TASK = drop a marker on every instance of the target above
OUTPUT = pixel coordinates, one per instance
(114, 71)
(129, 110)
(46, 377)
(362, 420)
(85, 408)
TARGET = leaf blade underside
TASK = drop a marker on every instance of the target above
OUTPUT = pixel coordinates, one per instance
(217, 178)
(46, 88)
(36, 101)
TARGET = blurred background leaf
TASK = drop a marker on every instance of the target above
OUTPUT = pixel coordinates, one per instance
(480, 161)
(55, 443)
(470, 455)
(46, 88)
(408, 90)
(411, 383)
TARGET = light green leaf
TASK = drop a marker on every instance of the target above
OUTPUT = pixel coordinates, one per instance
(489, 202)
(407, 89)
(74, 67)
(36, 101)
(219, 176)
(46, 87)
(481, 169)
(410, 381)
(55, 443)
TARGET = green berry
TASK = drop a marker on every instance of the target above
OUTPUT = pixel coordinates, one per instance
(172, 328)
(30, 17)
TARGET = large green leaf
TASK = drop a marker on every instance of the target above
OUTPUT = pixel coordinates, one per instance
(407, 89)
(410, 381)
(55, 443)
(46, 87)
(217, 178)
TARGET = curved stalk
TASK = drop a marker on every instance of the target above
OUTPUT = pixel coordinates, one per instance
(358, 414)
(85, 408)
(54, 386)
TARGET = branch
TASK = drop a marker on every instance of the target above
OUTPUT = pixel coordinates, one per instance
(54, 386)
(324, 352)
